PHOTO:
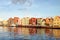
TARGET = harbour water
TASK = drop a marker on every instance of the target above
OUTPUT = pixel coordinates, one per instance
(18, 33)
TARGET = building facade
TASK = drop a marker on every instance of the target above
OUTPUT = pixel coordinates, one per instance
(56, 21)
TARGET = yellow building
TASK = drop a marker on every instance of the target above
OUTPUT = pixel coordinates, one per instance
(25, 21)
(56, 21)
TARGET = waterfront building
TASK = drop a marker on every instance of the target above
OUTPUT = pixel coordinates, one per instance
(33, 21)
(56, 21)
(25, 21)
(16, 20)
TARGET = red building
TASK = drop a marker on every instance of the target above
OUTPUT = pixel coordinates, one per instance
(33, 21)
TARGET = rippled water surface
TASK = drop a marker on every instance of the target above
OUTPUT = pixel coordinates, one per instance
(13, 33)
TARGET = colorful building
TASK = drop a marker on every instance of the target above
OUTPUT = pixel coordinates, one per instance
(56, 21)
(16, 20)
(25, 21)
(33, 21)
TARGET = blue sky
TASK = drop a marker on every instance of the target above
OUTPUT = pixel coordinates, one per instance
(38, 8)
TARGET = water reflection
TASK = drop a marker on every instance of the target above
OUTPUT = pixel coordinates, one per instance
(20, 33)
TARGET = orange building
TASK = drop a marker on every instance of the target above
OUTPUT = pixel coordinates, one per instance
(16, 20)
